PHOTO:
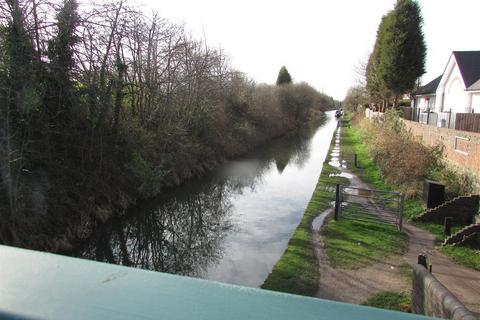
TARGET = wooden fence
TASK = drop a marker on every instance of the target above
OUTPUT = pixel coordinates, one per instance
(406, 112)
(459, 121)
(467, 122)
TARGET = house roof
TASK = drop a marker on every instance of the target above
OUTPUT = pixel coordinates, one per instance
(475, 86)
(429, 88)
(469, 64)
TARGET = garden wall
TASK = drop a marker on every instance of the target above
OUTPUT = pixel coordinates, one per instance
(461, 148)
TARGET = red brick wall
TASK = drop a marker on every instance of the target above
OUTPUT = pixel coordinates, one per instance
(462, 148)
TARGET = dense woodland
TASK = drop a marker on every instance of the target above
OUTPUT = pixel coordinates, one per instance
(102, 104)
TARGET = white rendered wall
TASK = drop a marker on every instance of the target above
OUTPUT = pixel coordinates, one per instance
(452, 86)
(424, 102)
(476, 102)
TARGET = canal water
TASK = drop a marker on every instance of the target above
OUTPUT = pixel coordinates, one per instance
(231, 225)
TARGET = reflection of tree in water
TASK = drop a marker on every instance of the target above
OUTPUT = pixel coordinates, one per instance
(183, 231)
(181, 235)
(295, 148)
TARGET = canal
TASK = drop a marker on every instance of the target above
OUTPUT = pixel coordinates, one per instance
(232, 225)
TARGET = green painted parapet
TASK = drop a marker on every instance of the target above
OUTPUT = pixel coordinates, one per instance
(37, 285)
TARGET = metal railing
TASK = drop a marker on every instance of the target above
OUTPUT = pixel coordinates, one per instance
(369, 205)
(458, 121)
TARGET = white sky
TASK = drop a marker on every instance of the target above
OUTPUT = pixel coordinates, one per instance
(320, 42)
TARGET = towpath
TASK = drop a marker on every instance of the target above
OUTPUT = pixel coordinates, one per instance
(356, 286)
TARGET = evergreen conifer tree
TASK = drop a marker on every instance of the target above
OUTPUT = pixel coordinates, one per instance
(283, 76)
(402, 49)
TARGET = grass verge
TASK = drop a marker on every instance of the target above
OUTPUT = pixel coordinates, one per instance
(297, 270)
(467, 257)
(391, 300)
(437, 229)
(353, 244)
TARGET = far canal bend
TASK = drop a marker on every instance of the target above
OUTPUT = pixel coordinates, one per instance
(230, 226)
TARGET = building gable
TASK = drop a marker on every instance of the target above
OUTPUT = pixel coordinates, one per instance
(469, 65)
(429, 88)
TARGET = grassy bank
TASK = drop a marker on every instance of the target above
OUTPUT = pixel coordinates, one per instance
(297, 270)
(354, 244)
(391, 300)
(467, 257)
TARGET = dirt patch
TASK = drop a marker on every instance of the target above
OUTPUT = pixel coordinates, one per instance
(356, 286)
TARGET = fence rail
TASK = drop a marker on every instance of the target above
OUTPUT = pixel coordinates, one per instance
(458, 121)
(468, 122)
(369, 205)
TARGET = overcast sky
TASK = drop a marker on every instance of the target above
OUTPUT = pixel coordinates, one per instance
(320, 42)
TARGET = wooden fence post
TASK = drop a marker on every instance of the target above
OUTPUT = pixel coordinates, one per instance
(337, 202)
(448, 226)
(449, 118)
(400, 219)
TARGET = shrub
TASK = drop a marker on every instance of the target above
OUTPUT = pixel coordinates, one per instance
(405, 162)
(297, 100)
(401, 160)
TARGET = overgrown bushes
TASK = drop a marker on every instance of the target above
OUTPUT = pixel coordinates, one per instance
(405, 162)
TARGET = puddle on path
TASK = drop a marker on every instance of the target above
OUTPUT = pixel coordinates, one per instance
(317, 223)
(334, 163)
(343, 174)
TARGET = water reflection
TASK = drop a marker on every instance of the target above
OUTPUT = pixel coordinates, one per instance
(231, 225)
(178, 234)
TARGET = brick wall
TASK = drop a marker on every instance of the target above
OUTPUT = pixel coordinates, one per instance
(460, 235)
(431, 298)
(461, 209)
(461, 147)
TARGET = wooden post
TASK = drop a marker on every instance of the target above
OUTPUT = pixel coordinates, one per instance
(355, 160)
(449, 117)
(448, 226)
(337, 202)
(422, 259)
(428, 116)
(400, 218)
